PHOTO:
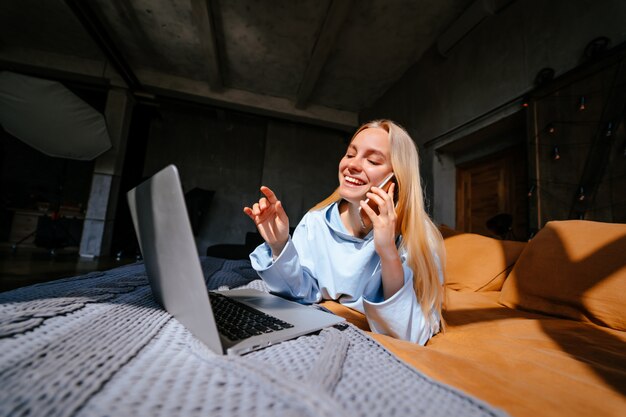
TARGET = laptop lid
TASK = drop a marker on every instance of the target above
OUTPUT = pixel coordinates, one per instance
(170, 255)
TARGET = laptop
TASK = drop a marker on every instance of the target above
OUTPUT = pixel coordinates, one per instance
(171, 258)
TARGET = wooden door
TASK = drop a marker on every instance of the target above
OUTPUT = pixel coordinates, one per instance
(490, 186)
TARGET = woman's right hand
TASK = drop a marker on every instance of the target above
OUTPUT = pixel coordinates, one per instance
(271, 220)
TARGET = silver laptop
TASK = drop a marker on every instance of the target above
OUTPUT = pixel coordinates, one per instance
(171, 258)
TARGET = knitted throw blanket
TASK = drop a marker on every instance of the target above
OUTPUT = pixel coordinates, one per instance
(99, 345)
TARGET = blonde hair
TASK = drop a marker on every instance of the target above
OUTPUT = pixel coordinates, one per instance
(420, 237)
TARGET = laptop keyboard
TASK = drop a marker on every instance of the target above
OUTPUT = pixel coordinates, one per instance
(238, 321)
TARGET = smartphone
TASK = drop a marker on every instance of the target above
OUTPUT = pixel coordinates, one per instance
(384, 185)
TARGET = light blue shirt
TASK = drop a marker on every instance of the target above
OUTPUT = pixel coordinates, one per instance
(322, 261)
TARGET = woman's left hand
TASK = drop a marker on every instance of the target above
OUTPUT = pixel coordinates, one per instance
(384, 223)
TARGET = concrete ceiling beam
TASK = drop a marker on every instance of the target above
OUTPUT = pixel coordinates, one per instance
(60, 67)
(101, 35)
(337, 13)
(57, 66)
(240, 100)
(203, 12)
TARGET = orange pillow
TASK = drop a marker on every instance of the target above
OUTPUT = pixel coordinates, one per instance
(477, 263)
(574, 269)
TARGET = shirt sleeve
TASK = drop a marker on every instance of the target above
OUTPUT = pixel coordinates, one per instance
(285, 275)
(400, 315)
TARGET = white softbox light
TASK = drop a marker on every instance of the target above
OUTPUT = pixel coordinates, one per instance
(49, 117)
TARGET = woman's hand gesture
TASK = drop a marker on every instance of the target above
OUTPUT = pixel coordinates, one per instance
(271, 220)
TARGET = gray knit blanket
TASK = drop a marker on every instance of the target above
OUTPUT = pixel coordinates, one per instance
(99, 345)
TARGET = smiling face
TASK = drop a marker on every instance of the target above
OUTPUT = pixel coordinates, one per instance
(366, 163)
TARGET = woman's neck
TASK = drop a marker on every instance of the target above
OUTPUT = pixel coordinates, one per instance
(351, 219)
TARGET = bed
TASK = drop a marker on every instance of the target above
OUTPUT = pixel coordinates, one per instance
(99, 345)
(535, 328)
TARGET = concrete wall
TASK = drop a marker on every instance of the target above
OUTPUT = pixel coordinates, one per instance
(234, 154)
(301, 164)
(493, 65)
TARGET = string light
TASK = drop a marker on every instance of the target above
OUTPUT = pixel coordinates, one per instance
(606, 129)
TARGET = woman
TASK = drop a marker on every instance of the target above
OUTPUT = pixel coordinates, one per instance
(389, 268)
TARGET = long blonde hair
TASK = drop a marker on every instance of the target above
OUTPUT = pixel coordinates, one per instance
(420, 237)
